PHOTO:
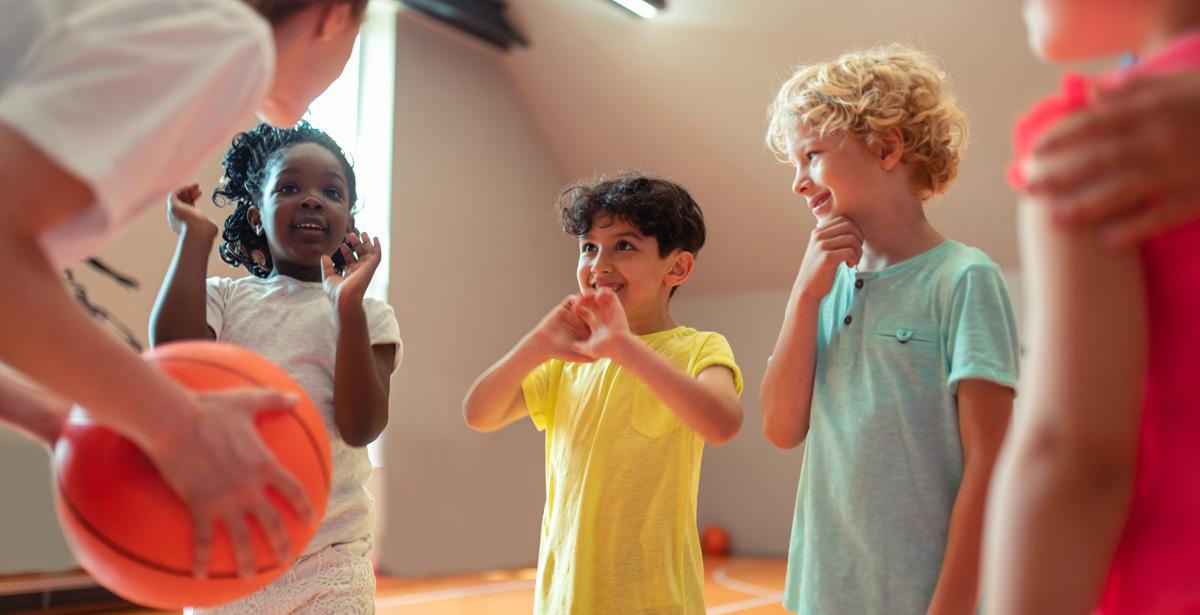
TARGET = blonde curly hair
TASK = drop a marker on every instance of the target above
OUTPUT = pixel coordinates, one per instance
(866, 93)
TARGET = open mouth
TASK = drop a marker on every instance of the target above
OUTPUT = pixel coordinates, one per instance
(821, 201)
(311, 227)
(616, 287)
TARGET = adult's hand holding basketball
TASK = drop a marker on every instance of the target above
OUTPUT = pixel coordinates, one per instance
(219, 466)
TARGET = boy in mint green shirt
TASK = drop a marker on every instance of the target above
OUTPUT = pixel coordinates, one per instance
(897, 359)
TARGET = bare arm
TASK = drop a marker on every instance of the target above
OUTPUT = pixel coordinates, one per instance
(496, 399)
(1064, 479)
(984, 409)
(31, 409)
(787, 384)
(40, 321)
(179, 311)
(708, 403)
(212, 457)
(362, 379)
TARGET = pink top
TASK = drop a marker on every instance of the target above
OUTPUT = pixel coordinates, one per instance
(1156, 568)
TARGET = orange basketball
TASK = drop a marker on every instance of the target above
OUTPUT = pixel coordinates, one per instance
(134, 535)
(714, 541)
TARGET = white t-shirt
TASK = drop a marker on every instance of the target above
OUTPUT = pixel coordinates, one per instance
(292, 323)
(130, 96)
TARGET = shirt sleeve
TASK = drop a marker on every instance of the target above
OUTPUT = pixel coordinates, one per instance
(382, 327)
(133, 98)
(982, 330)
(539, 388)
(715, 350)
(216, 297)
(1048, 112)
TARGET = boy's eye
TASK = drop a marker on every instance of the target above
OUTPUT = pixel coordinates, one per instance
(333, 193)
(624, 245)
(811, 154)
(288, 187)
(587, 247)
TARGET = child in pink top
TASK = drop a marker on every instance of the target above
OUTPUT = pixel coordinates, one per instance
(1096, 502)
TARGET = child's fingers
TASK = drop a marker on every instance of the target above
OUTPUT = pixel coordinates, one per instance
(588, 315)
(348, 255)
(841, 241)
(837, 227)
(327, 269)
(846, 255)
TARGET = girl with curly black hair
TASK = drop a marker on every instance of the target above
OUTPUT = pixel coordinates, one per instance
(293, 192)
(105, 107)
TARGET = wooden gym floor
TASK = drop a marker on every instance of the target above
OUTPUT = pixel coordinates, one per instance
(732, 585)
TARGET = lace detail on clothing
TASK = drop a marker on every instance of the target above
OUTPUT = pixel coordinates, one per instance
(336, 580)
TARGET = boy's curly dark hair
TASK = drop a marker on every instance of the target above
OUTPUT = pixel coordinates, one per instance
(247, 165)
(658, 208)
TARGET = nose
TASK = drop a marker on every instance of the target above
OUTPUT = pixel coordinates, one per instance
(312, 202)
(602, 264)
(802, 184)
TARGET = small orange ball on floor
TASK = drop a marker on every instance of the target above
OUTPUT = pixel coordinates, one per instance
(714, 541)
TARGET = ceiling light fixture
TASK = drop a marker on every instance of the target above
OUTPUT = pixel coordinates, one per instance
(646, 9)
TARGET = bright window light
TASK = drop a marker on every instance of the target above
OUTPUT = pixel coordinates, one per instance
(357, 111)
(641, 8)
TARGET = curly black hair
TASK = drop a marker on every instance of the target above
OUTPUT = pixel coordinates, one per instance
(247, 165)
(656, 207)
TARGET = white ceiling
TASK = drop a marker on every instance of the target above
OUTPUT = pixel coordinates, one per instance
(685, 96)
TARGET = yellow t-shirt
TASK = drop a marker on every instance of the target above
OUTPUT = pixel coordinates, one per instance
(622, 473)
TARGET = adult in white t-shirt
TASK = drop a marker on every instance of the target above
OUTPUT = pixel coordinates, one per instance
(105, 107)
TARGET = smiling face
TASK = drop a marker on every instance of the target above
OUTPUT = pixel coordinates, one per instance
(616, 255)
(836, 174)
(304, 210)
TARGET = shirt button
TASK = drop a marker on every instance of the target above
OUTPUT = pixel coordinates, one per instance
(847, 320)
(858, 284)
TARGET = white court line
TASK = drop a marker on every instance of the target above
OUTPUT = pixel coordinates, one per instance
(764, 595)
(722, 577)
(458, 592)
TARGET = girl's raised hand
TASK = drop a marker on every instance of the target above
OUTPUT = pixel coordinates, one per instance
(182, 212)
(362, 255)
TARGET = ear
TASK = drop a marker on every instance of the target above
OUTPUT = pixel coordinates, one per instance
(890, 148)
(682, 264)
(254, 217)
(334, 19)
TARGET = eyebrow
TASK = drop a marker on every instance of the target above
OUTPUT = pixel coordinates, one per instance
(332, 174)
(618, 235)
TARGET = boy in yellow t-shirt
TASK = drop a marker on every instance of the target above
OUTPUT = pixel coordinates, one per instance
(627, 398)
